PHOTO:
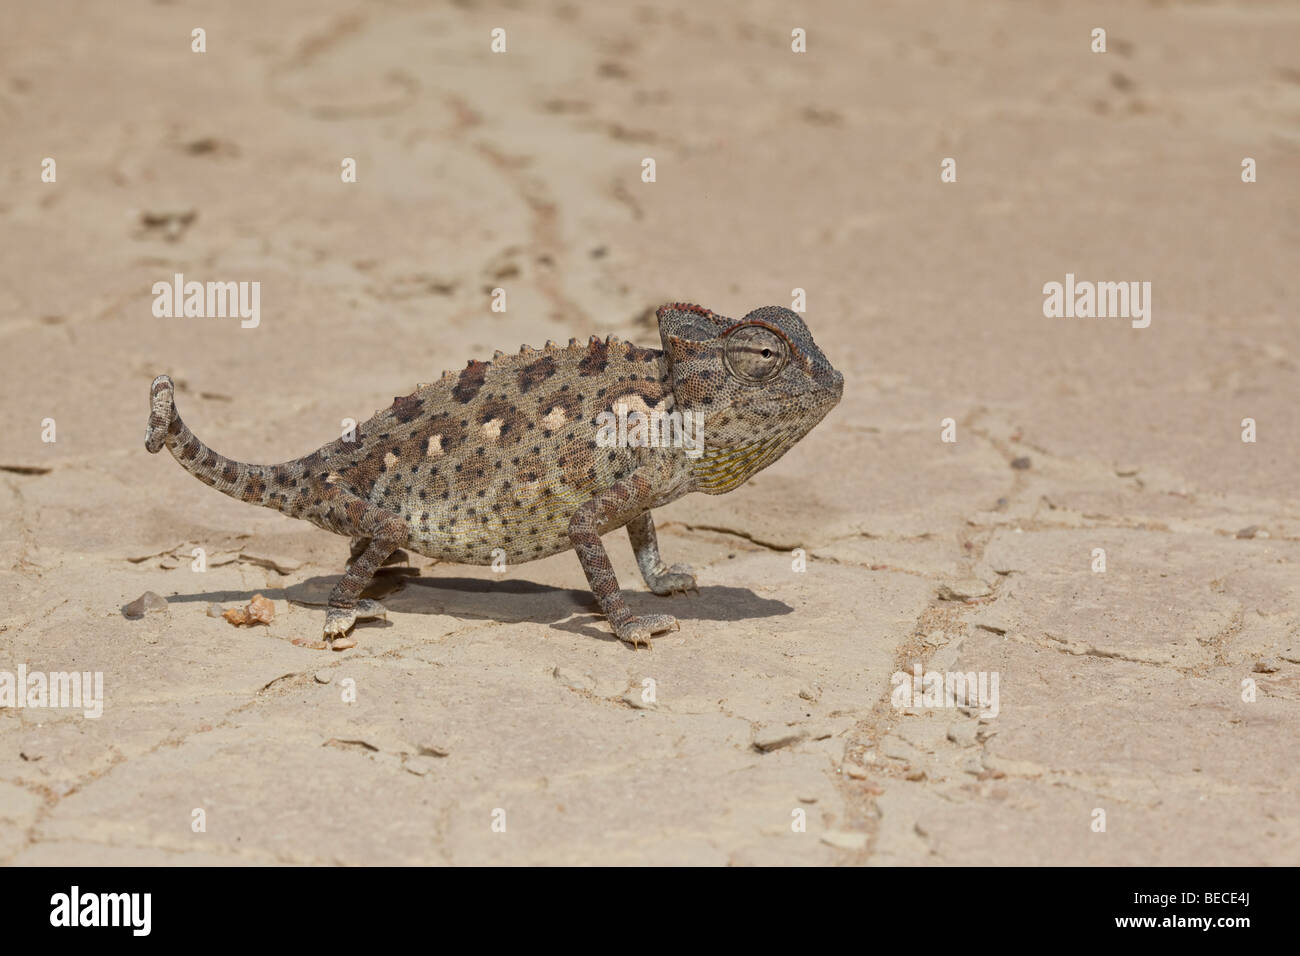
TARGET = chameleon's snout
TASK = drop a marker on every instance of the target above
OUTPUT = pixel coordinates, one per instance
(834, 382)
(830, 383)
(162, 407)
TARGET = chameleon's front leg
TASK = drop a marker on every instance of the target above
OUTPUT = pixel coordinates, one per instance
(659, 577)
(620, 503)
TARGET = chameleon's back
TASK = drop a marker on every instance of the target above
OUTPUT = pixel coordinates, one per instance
(500, 455)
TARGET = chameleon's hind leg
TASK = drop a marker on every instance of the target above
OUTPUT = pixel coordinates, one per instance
(659, 577)
(377, 533)
(358, 548)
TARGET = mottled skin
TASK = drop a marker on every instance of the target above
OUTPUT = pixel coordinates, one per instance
(504, 454)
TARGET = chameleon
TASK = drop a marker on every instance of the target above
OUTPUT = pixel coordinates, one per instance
(527, 455)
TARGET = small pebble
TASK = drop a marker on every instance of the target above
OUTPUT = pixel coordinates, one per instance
(1250, 532)
(147, 603)
(965, 590)
(843, 840)
(343, 643)
(216, 610)
(1021, 464)
(258, 611)
(323, 677)
(1267, 665)
(774, 738)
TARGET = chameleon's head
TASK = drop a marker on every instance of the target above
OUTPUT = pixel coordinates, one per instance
(758, 385)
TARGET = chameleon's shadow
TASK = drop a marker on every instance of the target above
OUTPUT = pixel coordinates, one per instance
(478, 599)
(512, 600)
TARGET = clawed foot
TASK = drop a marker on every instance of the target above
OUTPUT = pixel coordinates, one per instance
(339, 620)
(678, 579)
(637, 630)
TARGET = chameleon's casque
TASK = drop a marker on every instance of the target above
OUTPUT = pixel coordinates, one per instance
(509, 454)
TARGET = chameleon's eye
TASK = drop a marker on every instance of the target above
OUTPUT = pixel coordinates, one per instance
(755, 354)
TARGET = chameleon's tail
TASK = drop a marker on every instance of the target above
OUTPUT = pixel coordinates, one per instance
(162, 410)
(257, 484)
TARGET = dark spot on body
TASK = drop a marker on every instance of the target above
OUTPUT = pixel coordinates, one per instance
(406, 407)
(469, 382)
(534, 373)
(596, 359)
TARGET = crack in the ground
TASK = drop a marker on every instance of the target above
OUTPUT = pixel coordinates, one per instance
(744, 535)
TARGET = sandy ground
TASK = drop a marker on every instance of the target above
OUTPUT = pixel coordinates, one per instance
(491, 697)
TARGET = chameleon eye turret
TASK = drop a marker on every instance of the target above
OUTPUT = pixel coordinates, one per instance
(755, 353)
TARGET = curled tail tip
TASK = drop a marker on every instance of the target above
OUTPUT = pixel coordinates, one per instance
(162, 408)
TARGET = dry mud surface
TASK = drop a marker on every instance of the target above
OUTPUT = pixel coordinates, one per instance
(1119, 691)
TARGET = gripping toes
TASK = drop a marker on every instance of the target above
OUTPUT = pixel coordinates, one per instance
(674, 580)
(339, 620)
(637, 630)
(368, 610)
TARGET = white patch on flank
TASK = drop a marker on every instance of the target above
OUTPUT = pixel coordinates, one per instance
(435, 446)
(492, 429)
(390, 460)
(555, 418)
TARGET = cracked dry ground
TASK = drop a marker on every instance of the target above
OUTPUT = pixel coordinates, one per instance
(1119, 691)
